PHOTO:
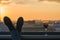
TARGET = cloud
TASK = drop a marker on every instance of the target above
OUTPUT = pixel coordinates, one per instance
(40, 0)
(24, 1)
(32, 1)
(19, 1)
(54, 0)
(50, 0)
(5, 2)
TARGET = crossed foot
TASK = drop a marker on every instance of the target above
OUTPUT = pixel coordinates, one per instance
(15, 32)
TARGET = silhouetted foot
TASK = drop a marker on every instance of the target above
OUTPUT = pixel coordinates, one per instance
(8, 23)
(20, 23)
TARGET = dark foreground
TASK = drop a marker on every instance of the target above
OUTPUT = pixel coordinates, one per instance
(32, 36)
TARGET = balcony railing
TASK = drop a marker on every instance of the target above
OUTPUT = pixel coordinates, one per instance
(32, 35)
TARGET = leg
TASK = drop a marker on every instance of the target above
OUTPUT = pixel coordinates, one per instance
(10, 26)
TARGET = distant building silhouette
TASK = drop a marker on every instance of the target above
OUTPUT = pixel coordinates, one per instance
(30, 21)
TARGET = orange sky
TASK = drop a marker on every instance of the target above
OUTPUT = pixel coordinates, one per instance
(37, 10)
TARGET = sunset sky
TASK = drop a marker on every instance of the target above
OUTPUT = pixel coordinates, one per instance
(31, 9)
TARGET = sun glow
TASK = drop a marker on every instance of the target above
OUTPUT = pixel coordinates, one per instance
(1, 9)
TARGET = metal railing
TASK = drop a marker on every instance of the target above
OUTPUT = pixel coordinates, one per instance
(32, 35)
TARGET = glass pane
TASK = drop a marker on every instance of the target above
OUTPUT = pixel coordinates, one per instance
(36, 13)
